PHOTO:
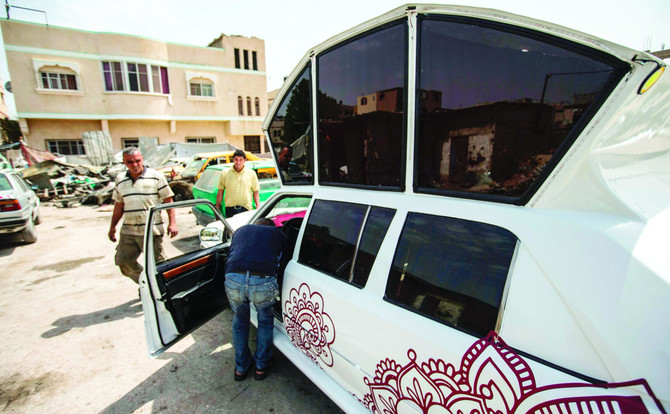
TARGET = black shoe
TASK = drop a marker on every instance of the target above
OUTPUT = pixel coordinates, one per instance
(240, 377)
(260, 374)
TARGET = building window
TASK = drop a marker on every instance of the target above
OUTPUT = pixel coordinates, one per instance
(240, 106)
(252, 143)
(237, 58)
(130, 142)
(58, 81)
(201, 140)
(135, 77)
(257, 106)
(201, 89)
(246, 59)
(451, 270)
(254, 61)
(66, 146)
(249, 106)
(334, 243)
(138, 77)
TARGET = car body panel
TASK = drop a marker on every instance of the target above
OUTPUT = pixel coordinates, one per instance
(15, 188)
(574, 317)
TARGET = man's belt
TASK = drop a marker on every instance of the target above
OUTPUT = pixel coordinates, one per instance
(261, 275)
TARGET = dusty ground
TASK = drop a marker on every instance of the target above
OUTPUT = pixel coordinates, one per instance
(73, 338)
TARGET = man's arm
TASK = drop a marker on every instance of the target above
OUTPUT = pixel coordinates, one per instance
(172, 220)
(257, 199)
(116, 216)
(219, 199)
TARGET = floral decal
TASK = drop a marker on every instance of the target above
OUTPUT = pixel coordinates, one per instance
(308, 326)
(491, 379)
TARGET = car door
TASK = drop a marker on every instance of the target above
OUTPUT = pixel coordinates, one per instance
(185, 288)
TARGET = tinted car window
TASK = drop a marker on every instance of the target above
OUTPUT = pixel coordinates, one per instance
(291, 132)
(361, 103)
(334, 244)
(494, 107)
(4, 183)
(451, 270)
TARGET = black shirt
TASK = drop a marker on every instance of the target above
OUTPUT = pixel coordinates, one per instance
(257, 249)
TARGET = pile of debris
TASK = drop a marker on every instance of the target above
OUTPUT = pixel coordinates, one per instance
(69, 185)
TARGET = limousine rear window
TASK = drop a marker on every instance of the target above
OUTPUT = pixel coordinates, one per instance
(361, 108)
(334, 243)
(290, 131)
(451, 270)
(498, 106)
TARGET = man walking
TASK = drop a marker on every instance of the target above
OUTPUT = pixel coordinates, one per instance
(239, 184)
(138, 190)
(251, 277)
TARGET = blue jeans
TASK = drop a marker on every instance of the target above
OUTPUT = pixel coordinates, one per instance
(243, 289)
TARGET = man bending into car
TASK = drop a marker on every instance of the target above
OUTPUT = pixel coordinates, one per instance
(254, 260)
(134, 193)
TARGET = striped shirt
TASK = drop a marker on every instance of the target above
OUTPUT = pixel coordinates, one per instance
(148, 190)
(238, 187)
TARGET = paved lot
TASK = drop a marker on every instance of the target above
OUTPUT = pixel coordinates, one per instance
(73, 338)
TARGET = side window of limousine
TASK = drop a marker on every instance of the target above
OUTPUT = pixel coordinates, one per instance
(291, 128)
(498, 106)
(342, 239)
(451, 270)
(361, 109)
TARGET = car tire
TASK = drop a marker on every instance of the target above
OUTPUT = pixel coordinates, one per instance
(29, 234)
(38, 217)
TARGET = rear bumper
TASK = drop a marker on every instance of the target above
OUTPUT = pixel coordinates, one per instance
(12, 225)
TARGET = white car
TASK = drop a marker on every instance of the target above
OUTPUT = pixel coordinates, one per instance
(19, 207)
(483, 225)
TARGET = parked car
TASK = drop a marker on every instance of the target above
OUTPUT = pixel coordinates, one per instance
(484, 227)
(19, 207)
(207, 185)
(200, 162)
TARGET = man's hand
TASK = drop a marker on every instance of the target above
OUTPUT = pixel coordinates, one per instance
(172, 229)
(112, 234)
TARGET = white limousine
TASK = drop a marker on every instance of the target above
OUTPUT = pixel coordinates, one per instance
(478, 205)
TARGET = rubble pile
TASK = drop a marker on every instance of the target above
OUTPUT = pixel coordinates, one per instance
(68, 185)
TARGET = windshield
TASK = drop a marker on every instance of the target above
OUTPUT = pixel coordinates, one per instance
(193, 167)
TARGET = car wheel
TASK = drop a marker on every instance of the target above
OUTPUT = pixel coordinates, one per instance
(38, 217)
(29, 234)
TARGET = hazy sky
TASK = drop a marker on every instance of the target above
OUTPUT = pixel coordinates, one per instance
(291, 27)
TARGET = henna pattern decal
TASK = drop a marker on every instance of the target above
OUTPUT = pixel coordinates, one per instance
(492, 379)
(308, 326)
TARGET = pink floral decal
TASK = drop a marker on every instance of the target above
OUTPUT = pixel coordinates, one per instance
(491, 379)
(308, 326)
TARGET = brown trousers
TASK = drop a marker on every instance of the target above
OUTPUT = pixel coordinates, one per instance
(129, 249)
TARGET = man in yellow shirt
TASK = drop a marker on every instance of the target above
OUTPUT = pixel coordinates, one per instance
(239, 185)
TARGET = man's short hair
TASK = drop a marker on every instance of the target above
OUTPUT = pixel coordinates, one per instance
(264, 221)
(240, 153)
(131, 151)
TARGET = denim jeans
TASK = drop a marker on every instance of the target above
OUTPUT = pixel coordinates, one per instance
(243, 289)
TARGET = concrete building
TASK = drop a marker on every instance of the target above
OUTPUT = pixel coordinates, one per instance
(67, 82)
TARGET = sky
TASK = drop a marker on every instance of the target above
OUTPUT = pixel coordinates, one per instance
(291, 27)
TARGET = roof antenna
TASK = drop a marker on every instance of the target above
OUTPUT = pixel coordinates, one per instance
(9, 6)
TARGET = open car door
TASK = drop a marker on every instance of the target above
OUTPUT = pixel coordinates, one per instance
(185, 288)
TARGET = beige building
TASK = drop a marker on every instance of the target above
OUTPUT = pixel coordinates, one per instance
(4, 111)
(66, 82)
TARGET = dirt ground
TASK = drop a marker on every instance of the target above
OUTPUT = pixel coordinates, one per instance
(73, 337)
